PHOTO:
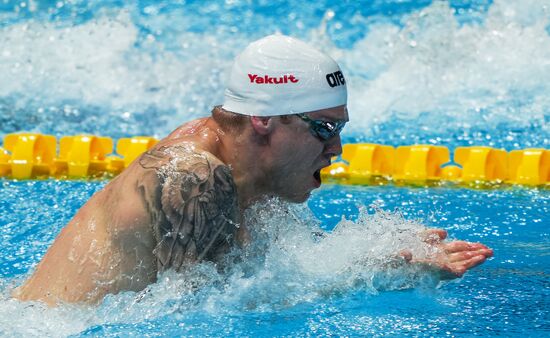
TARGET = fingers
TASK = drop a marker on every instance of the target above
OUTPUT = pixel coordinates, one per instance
(473, 262)
(466, 255)
(456, 258)
(458, 246)
(460, 268)
(453, 270)
(453, 259)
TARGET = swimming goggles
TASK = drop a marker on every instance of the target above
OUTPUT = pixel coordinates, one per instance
(324, 130)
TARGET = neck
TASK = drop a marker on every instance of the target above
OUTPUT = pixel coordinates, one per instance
(240, 152)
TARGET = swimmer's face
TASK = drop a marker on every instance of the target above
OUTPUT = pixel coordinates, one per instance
(307, 144)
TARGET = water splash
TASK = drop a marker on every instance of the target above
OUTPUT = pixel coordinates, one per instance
(424, 76)
(436, 78)
(427, 76)
(286, 264)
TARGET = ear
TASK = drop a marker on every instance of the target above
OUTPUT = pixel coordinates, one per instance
(262, 125)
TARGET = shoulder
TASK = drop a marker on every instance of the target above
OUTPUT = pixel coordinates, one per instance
(189, 128)
(199, 201)
(177, 155)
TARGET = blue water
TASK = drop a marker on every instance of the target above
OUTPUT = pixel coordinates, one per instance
(449, 73)
(507, 296)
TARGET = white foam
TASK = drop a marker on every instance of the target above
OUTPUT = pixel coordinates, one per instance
(104, 62)
(433, 64)
(286, 264)
(430, 64)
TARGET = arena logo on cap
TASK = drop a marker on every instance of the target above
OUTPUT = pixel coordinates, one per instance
(336, 79)
(266, 79)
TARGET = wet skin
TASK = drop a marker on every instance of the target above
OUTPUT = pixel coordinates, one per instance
(181, 202)
(175, 205)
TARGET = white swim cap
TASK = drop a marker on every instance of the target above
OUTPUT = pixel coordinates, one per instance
(280, 75)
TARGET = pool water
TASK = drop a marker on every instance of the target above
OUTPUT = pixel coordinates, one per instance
(448, 73)
(287, 293)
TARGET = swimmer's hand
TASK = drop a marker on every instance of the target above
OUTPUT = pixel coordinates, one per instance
(452, 259)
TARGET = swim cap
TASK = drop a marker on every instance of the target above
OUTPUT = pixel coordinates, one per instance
(280, 75)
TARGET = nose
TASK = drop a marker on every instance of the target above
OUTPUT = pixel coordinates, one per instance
(333, 146)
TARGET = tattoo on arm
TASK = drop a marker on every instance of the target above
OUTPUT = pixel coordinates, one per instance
(198, 200)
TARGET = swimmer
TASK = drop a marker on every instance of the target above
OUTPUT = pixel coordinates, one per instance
(182, 201)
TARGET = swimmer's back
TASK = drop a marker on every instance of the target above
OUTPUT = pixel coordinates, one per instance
(173, 206)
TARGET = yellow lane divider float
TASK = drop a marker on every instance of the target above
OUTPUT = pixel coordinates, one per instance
(430, 165)
(30, 155)
(35, 155)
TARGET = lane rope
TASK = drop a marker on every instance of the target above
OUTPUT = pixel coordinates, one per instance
(36, 156)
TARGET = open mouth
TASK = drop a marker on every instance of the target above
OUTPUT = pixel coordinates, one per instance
(317, 175)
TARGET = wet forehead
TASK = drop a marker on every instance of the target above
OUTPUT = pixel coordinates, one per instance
(339, 113)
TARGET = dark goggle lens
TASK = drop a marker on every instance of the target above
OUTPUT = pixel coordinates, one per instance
(324, 130)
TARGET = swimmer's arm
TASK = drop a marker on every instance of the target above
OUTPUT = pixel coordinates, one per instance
(453, 259)
(199, 202)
